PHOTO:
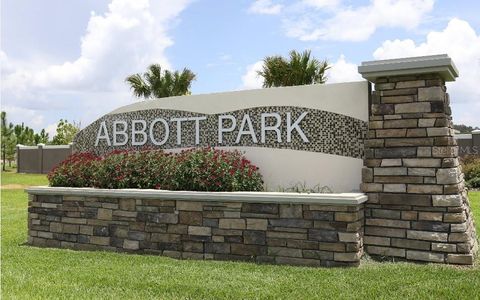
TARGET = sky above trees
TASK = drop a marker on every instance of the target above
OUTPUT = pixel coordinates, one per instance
(68, 59)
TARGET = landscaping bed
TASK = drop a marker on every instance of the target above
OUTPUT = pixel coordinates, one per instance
(46, 273)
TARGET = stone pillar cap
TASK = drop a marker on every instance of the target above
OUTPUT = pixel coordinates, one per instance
(441, 64)
(477, 131)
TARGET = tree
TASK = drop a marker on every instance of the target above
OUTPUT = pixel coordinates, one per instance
(25, 135)
(299, 69)
(65, 132)
(8, 138)
(157, 84)
(464, 128)
(41, 138)
(10, 149)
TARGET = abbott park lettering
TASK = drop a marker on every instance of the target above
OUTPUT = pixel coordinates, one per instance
(140, 132)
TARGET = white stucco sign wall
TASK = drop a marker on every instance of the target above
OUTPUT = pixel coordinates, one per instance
(305, 135)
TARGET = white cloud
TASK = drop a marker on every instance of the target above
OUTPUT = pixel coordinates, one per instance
(5, 62)
(124, 40)
(251, 79)
(17, 115)
(322, 3)
(343, 71)
(357, 23)
(129, 36)
(51, 130)
(460, 41)
(265, 7)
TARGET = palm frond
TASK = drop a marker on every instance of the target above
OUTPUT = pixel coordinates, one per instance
(139, 86)
(159, 83)
(299, 69)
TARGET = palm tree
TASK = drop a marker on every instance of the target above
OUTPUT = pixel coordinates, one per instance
(300, 69)
(157, 84)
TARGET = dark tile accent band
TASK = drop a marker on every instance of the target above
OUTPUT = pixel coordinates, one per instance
(327, 132)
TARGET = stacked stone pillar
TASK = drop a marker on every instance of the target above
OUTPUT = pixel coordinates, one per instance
(418, 207)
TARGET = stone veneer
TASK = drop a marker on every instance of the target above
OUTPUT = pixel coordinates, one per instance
(418, 207)
(312, 233)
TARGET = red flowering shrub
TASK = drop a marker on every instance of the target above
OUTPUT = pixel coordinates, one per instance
(76, 171)
(216, 170)
(193, 170)
(146, 169)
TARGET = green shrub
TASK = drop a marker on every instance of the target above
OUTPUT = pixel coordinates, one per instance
(474, 183)
(76, 171)
(216, 170)
(471, 169)
(205, 169)
(135, 169)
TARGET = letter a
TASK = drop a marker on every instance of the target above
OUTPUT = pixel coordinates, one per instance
(246, 121)
(102, 134)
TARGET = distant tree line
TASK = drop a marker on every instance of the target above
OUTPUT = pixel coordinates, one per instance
(9, 141)
(13, 135)
(464, 128)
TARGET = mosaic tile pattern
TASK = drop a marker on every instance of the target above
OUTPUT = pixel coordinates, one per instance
(327, 132)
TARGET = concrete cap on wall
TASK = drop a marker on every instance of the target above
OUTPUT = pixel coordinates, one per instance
(441, 64)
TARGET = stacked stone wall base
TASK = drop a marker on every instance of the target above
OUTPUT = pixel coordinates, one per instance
(296, 234)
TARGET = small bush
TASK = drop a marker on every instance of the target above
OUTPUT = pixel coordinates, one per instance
(135, 169)
(216, 170)
(474, 183)
(76, 171)
(471, 169)
(194, 170)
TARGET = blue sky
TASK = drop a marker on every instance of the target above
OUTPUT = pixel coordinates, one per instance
(68, 59)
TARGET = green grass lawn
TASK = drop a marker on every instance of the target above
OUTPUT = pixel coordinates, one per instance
(36, 273)
(12, 177)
